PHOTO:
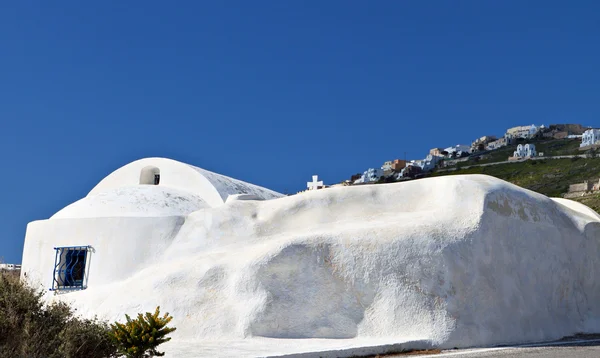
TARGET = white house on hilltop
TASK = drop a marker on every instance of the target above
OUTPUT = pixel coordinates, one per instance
(124, 222)
(590, 137)
(523, 151)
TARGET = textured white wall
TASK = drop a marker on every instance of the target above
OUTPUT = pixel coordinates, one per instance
(134, 201)
(121, 246)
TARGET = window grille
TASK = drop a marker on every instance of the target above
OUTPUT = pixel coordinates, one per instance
(70, 268)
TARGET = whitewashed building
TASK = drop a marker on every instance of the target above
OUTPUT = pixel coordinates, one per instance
(429, 163)
(590, 137)
(458, 148)
(371, 175)
(499, 143)
(10, 267)
(124, 222)
(524, 151)
(525, 132)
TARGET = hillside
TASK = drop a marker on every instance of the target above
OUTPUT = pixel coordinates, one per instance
(550, 177)
(548, 147)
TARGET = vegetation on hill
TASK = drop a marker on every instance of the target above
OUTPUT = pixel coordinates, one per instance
(550, 148)
(550, 177)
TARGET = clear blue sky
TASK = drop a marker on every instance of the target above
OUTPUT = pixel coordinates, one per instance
(272, 92)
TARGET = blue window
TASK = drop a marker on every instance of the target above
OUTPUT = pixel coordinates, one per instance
(70, 268)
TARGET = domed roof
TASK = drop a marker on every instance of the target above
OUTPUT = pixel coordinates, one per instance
(134, 201)
(213, 188)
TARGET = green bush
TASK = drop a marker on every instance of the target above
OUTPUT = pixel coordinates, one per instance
(19, 304)
(86, 338)
(30, 329)
(140, 337)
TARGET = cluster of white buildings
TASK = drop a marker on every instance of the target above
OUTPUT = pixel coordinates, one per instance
(402, 168)
(511, 135)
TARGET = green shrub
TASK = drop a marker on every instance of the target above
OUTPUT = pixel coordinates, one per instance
(30, 329)
(40, 332)
(18, 305)
(140, 337)
(86, 338)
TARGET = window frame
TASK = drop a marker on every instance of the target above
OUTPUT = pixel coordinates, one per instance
(63, 278)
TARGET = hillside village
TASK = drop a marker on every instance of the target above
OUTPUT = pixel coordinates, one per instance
(561, 143)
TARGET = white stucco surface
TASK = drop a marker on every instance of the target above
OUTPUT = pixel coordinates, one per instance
(134, 201)
(455, 261)
(213, 188)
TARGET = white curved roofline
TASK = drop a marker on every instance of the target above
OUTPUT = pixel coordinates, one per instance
(212, 187)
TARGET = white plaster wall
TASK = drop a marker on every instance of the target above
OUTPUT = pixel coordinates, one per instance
(457, 260)
(134, 201)
(121, 246)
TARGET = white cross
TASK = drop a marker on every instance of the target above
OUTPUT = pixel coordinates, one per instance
(313, 185)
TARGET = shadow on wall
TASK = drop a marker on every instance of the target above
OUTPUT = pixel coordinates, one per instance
(305, 298)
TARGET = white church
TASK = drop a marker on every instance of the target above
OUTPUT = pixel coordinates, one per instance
(124, 222)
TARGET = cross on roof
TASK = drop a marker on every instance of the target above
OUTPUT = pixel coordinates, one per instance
(314, 185)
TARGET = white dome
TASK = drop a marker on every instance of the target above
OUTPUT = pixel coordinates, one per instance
(213, 188)
(134, 201)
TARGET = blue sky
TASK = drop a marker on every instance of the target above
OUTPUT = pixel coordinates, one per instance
(272, 92)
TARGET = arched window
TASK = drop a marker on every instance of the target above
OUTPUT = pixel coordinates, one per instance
(150, 175)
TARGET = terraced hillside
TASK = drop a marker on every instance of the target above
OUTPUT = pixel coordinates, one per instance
(550, 177)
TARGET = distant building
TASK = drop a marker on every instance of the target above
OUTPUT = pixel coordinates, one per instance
(429, 163)
(525, 132)
(436, 151)
(590, 138)
(387, 168)
(398, 164)
(480, 143)
(14, 269)
(499, 143)
(582, 189)
(410, 171)
(457, 149)
(524, 151)
(392, 166)
(371, 175)
(10, 267)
